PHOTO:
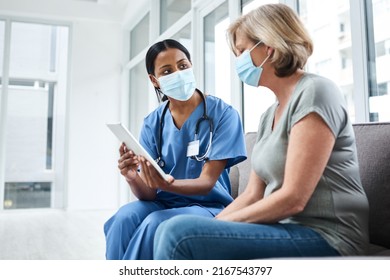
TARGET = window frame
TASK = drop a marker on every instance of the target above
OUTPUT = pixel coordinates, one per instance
(59, 152)
(360, 46)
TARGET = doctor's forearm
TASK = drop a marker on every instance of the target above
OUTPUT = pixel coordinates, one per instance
(199, 186)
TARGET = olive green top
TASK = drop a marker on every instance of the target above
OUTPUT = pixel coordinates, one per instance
(338, 208)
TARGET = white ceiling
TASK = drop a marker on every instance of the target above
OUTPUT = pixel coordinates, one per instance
(107, 10)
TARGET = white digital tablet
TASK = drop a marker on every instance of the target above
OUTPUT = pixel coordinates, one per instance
(132, 143)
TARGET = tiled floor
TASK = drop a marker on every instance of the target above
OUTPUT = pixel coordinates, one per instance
(52, 234)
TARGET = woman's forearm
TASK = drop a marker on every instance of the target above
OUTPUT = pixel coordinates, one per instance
(240, 202)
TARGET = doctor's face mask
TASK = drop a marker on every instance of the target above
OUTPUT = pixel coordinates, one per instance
(246, 70)
(179, 85)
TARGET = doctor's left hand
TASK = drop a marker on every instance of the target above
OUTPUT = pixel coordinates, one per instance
(152, 178)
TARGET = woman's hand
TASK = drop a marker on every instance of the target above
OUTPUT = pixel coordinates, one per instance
(152, 178)
(128, 163)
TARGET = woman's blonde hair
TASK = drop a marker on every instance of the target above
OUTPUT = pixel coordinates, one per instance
(277, 26)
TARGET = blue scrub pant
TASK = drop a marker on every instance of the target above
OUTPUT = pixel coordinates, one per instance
(130, 232)
(188, 237)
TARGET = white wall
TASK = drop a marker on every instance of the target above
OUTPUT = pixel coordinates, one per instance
(91, 175)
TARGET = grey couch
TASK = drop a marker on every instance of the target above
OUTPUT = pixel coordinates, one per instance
(373, 145)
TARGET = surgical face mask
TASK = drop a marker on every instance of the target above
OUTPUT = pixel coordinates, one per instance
(179, 85)
(246, 70)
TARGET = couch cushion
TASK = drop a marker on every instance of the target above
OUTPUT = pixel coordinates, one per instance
(239, 175)
(373, 146)
(234, 176)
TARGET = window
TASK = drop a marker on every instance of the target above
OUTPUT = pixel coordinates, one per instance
(383, 89)
(379, 60)
(2, 115)
(35, 99)
(139, 36)
(184, 37)
(139, 96)
(387, 47)
(171, 11)
(2, 31)
(217, 53)
(342, 28)
(330, 28)
(255, 100)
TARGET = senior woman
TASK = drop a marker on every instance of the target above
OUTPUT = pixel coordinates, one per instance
(304, 196)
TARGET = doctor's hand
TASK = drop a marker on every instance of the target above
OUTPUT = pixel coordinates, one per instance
(128, 163)
(152, 178)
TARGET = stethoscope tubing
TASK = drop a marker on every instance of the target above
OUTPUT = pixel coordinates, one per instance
(204, 117)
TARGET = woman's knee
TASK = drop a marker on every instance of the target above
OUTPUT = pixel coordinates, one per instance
(170, 234)
(164, 233)
(179, 225)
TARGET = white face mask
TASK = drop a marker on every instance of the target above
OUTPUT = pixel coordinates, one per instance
(179, 85)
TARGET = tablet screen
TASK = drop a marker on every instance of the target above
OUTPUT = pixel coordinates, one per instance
(132, 143)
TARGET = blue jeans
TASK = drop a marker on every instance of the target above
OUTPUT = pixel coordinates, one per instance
(190, 237)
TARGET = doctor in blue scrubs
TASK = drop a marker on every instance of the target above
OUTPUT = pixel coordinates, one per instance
(194, 137)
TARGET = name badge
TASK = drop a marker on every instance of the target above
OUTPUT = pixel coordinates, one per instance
(193, 148)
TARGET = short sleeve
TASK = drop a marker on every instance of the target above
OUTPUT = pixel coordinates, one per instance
(228, 138)
(319, 95)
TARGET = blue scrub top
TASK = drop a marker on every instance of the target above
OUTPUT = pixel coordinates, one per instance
(227, 143)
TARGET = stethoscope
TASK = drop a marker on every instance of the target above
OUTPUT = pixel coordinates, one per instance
(204, 117)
